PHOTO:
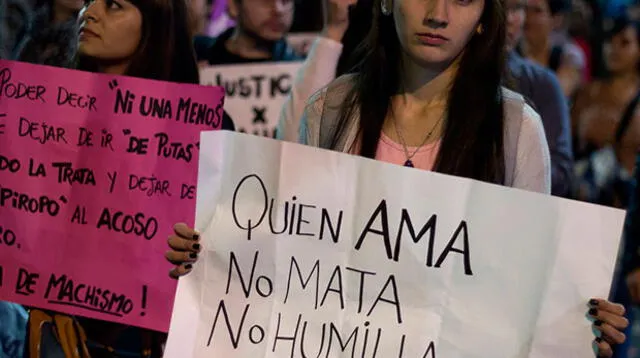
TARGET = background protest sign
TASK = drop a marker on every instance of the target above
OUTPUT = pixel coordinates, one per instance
(94, 172)
(321, 254)
(255, 93)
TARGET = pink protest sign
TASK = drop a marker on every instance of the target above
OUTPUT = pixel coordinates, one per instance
(94, 171)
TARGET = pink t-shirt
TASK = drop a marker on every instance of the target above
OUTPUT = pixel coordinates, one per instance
(392, 152)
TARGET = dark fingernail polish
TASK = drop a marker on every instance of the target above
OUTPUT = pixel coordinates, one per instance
(592, 311)
(597, 323)
(188, 267)
(196, 246)
(599, 339)
(193, 255)
(593, 302)
(196, 237)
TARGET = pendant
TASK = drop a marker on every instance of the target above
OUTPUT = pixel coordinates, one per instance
(408, 163)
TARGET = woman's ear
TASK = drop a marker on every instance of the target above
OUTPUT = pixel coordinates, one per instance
(233, 9)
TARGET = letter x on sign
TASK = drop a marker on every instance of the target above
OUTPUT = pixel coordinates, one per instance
(258, 115)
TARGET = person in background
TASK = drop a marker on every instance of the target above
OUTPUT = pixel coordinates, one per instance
(428, 94)
(146, 39)
(579, 30)
(259, 35)
(546, 44)
(13, 329)
(606, 124)
(321, 64)
(542, 88)
(52, 35)
(15, 16)
(122, 37)
(535, 82)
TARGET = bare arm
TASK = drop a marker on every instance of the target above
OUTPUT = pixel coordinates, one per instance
(319, 68)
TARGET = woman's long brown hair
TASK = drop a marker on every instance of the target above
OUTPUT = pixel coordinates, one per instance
(473, 139)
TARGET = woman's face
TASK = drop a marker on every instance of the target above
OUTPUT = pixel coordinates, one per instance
(622, 52)
(434, 32)
(110, 30)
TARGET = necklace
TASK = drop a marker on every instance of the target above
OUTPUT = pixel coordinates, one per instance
(409, 162)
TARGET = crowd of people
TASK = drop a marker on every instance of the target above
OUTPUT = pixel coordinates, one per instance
(539, 95)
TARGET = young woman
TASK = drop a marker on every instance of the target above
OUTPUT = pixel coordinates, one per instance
(139, 38)
(146, 39)
(428, 95)
(605, 119)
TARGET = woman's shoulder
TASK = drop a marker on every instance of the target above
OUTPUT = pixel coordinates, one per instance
(326, 103)
(518, 111)
(333, 93)
(526, 149)
(322, 112)
(522, 122)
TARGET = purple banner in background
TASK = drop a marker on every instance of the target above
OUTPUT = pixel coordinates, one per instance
(219, 20)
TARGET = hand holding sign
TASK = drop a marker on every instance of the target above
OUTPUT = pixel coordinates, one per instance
(185, 246)
(93, 170)
(609, 321)
(304, 253)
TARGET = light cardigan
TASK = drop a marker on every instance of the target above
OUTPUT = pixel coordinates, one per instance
(313, 121)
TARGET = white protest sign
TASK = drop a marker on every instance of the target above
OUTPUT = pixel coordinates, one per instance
(309, 253)
(254, 93)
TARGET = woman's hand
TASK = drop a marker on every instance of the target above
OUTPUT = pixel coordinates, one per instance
(609, 320)
(185, 246)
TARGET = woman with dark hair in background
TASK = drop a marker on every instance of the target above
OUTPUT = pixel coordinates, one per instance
(606, 126)
(428, 95)
(146, 39)
(138, 38)
(51, 37)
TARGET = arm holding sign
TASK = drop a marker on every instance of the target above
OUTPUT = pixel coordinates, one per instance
(319, 68)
